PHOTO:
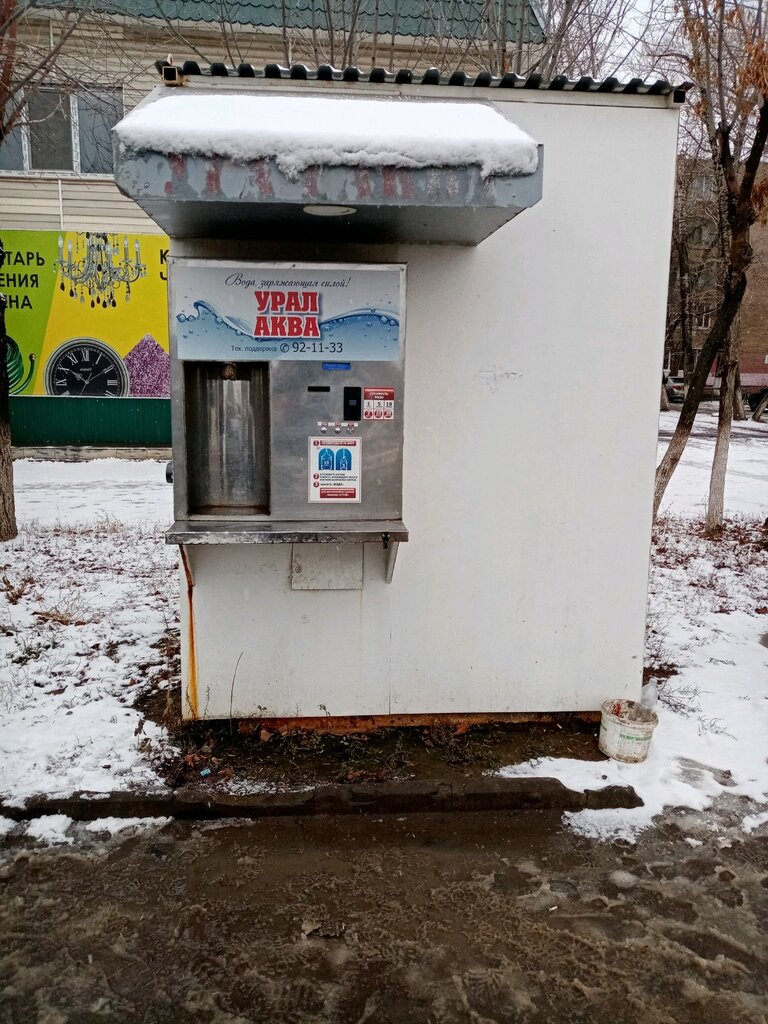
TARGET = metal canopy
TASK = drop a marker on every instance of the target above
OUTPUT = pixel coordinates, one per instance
(238, 190)
(207, 197)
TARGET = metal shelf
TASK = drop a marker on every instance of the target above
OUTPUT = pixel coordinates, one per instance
(221, 531)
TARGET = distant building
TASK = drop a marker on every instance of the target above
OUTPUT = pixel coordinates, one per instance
(694, 283)
(754, 315)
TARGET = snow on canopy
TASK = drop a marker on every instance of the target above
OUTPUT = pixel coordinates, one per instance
(301, 132)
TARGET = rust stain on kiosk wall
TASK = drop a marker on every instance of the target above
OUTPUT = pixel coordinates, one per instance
(342, 725)
(191, 695)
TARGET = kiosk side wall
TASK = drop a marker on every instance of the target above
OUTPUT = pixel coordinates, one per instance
(532, 381)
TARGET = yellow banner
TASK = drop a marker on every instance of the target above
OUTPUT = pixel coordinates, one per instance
(87, 313)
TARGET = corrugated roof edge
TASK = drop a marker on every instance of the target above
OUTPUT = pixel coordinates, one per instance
(534, 6)
(432, 76)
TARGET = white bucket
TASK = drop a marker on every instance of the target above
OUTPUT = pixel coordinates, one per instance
(622, 737)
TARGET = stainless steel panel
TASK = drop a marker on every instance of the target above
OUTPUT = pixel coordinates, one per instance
(257, 530)
(241, 445)
(296, 413)
(227, 436)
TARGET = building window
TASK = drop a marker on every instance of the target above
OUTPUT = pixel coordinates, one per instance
(64, 131)
(49, 119)
(703, 319)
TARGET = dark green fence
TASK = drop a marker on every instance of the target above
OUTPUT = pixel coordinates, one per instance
(126, 422)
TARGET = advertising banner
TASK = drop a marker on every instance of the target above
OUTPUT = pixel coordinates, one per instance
(257, 311)
(87, 313)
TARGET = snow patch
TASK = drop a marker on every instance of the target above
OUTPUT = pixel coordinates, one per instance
(746, 483)
(130, 491)
(51, 828)
(302, 132)
(754, 821)
(94, 589)
(83, 615)
(113, 826)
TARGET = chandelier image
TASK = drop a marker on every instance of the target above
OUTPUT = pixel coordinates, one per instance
(93, 267)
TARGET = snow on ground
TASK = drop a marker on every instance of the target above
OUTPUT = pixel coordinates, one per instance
(746, 487)
(113, 826)
(89, 590)
(66, 493)
(50, 829)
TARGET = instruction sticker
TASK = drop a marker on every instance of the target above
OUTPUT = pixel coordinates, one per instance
(334, 469)
(378, 403)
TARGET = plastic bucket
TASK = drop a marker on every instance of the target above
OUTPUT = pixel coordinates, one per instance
(623, 737)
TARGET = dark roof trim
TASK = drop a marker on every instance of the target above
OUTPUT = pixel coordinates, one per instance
(300, 72)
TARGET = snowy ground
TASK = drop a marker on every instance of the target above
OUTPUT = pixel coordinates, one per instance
(53, 494)
(89, 590)
(746, 489)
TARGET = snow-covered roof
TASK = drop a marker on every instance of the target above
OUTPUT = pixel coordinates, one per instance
(301, 132)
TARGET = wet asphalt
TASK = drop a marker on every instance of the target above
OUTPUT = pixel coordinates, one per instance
(483, 917)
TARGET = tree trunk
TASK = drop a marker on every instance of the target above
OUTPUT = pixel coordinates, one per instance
(734, 347)
(739, 412)
(683, 276)
(712, 345)
(7, 505)
(716, 504)
(757, 415)
(664, 406)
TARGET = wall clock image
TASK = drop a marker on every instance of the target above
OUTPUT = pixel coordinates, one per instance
(86, 368)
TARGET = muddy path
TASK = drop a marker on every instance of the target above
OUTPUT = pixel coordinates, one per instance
(476, 918)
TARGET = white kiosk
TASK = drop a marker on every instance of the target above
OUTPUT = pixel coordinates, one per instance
(370, 346)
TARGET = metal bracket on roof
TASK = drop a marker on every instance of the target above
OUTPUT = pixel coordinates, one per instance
(172, 75)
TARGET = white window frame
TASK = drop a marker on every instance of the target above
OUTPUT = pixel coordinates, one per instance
(703, 319)
(74, 121)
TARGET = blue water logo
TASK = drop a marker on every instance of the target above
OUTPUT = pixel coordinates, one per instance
(363, 334)
(343, 460)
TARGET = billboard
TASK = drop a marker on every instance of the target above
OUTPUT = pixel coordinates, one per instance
(295, 311)
(87, 313)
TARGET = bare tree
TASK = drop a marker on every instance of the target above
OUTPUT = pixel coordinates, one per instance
(696, 267)
(23, 67)
(726, 56)
(346, 33)
(7, 503)
(762, 405)
(592, 37)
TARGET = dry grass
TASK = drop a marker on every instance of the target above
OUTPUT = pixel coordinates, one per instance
(14, 592)
(68, 611)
